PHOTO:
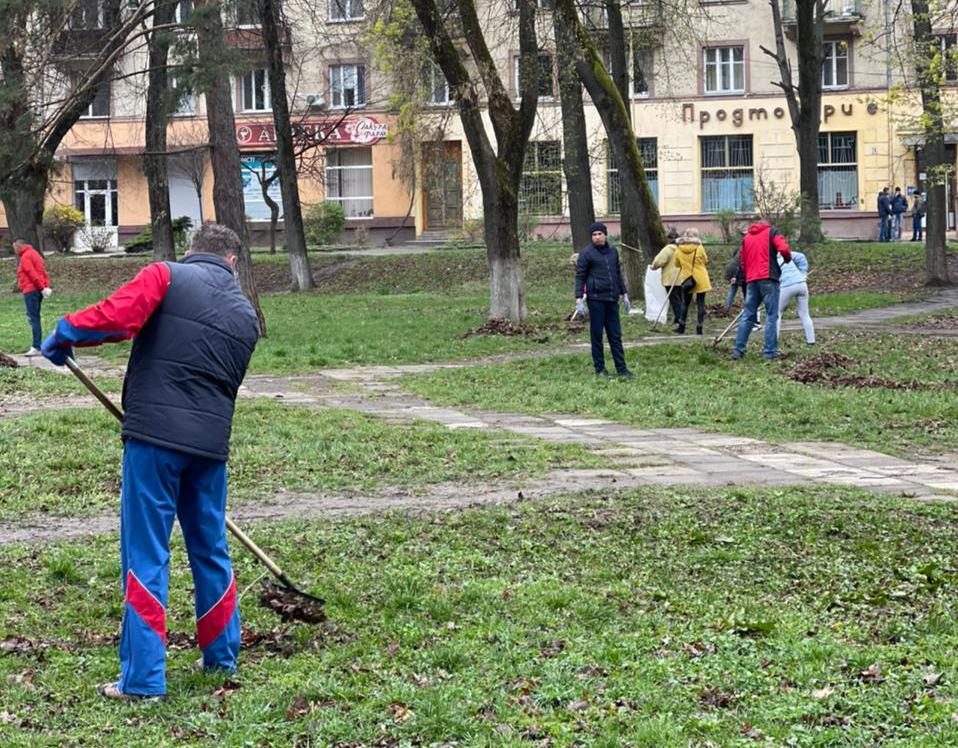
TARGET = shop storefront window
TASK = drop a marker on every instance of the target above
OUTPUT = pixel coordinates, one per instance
(258, 171)
(724, 69)
(349, 180)
(256, 94)
(837, 171)
(648, 149)
(727, 173)
(540, 191)
(347, 85)
(835, 64)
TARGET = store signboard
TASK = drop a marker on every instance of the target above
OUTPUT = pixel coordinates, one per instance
(326, 132)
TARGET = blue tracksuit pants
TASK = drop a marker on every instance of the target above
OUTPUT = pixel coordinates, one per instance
(158, 485)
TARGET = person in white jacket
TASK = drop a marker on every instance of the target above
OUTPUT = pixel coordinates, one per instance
(794, 285)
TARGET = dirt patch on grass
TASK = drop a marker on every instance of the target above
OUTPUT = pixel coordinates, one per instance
(835, 370)
(8, 363)
(946, 324)
(508, 328)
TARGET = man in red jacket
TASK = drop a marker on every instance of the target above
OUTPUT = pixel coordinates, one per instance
(35, 285)
(761, 246)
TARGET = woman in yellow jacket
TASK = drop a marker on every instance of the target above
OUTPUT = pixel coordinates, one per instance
(693, 277)
(665, 261)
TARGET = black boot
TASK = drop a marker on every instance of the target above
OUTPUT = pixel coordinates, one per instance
(698, 329)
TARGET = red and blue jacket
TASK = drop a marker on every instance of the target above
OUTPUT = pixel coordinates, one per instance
(760, 249)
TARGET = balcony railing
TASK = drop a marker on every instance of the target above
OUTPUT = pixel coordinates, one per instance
(836, 11)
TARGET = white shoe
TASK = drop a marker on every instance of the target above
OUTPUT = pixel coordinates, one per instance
(757, 327)
(32, 352)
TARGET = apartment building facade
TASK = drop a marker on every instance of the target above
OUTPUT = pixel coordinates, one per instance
(710, 120)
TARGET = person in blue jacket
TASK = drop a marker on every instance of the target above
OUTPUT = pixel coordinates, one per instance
(598, 270)
(793, 285)
(193, 335)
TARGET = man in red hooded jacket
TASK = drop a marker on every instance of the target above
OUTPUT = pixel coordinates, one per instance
(34, 284)
(761, 246)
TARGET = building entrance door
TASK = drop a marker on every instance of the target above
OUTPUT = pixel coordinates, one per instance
(442, 184)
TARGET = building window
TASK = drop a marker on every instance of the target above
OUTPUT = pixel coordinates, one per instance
(649, 151)
(545, 75)
(183, 10)
(641, 72)
(835, 64)
(437, 87)
(349, 180)
(256, 94)
(182, 94)
(247, 12)
(258, 171)
(949, 60)
(96, 199)
(345, 10)
(347, 85)
(837, 171)
(87, 15)
(540, 191)
(724, 69)
(727, 173)
(100, 106)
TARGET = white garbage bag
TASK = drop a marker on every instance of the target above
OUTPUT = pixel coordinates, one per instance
(655, 296)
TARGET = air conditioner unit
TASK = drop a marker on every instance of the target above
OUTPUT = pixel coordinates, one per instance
(314, 101)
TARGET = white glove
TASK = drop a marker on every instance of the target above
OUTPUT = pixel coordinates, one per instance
(47, 292)
(628, 304)
(580, 307)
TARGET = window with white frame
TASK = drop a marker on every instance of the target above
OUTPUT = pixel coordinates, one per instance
(649, 151)
(347, 85)
(437, 87)
(540, 191)
(97, 200)
(834, 64)
(724, 69)
(727, 173)
(349, 180)
(182, 11)
(100, 105)
(837, 170)
(87, 15)
(183, 95)
(949, 56)
(641, 72)
(346, 10)
(545, 75)
(255, 95)
(246, 12)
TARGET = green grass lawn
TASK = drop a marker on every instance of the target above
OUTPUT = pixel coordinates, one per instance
(816, 617)
(68, 462)
(410, 309)
(691, 385)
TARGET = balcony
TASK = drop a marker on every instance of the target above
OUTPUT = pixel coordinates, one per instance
(249, 38)
(637, 15)
(841, 17)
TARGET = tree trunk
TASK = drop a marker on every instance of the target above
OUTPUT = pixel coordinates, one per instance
(614, 113)
(224, 154)
(810, 55)
(24, 206)
(285, 154)
(929, 75)
(273, 216)
(576, 163)
(154, 162)
(506, 298)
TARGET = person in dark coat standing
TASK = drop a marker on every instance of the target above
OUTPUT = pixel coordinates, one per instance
(194, 333)
(917, 216)
(599, 271)
(884, 215)
(899, 204)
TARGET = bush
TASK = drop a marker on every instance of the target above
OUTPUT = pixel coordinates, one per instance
(729, 224)
(143, 242)
(323, 222)
(98, 238)
(778, 205)
(60, 224)
(473, 230)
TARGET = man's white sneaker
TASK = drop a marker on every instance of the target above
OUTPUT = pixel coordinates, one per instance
(32, 352)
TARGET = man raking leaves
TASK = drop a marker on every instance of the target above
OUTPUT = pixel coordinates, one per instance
(194, 335)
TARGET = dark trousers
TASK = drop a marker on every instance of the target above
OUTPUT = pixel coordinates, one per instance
(604, 315)
(32, 302)
(700, 307)
(675, 303)
(916, 229)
